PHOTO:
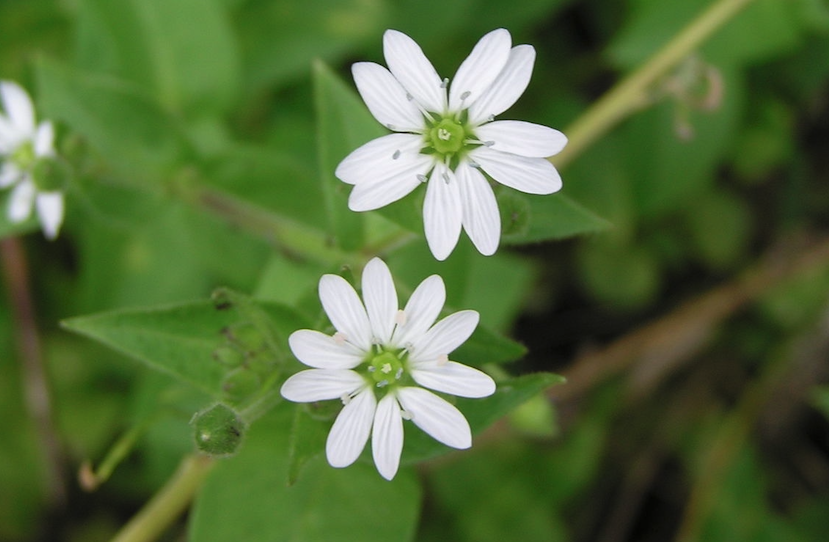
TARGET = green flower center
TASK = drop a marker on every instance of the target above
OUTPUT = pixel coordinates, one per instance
(24, 156)
(386, 368)
(447, 137)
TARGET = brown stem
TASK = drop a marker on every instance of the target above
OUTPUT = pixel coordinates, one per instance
(35, 384)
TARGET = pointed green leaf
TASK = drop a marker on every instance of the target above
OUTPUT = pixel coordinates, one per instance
(247, 497)
(551, 217)
(178, 340)
(486, 346)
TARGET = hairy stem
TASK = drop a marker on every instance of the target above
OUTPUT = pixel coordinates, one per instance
(631, 94)
(166, 506)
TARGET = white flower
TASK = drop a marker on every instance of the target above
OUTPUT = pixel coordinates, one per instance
(447, 134)
(21, 145)
(375, 362)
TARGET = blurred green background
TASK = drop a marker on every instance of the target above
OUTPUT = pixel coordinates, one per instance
(691, 318)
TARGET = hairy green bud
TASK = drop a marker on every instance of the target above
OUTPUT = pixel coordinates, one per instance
(218, 431)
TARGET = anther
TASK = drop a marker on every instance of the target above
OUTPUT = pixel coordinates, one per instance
(409, 97)
(396, 155)
(371, 368)
(445, 177)
(339, 338)
(406, 415)
(489, 143)
(421, 178)
(399, 373)
(465, 95)
(443, 359)
(490, 118)
(400, 318)
(444, 83)
(383, 383)
(345, 398)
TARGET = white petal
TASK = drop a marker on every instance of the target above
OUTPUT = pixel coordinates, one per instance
(10, 138)
(50, 211)
(380, 298)
(507, 87)
(442, 212)
(18, 106)
(481, 218)
(387, 437)
(377, 193)
(345, 310)
(453, 378)
(44, 139)
(442, 421)
(319, 350)
(350, 431)
(9, 174)
(522, 138)
(321, 385)
(530, 175)
(480, 69)
(410, 66)
(376, 159)
(422, 310)
(445, 336)
(387, 100)
(21, 200)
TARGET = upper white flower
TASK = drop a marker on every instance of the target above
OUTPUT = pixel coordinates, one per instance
(22, 143)
(376, 361)
(446, 135)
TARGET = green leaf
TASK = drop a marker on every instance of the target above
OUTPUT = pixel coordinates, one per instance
(820, 400)
(247, 497)
(555, 217)
(486, 346)
(136, 137)
(178, 340)
(342, 125)
(182, 51)
(481, 413)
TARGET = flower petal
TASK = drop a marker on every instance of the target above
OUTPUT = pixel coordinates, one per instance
(530, 175)
(410, 66)
(21, 200)
(10, 137)
(481, 218)
(421, 311)
(442, 421)
(44, 139)
(9, 174)
(445, 336)
(50, 211)
(480, 69)
(377, 158)
(345, 310)
(321, 351)
(18, 107)
(321, 385)
(507, 87)
(522, 138)
(350, 431)
(442, 212)
(387, 100)
(453, 378)
(380, 298)
(387, 437)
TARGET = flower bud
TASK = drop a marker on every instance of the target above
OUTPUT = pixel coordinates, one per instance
(218, 431)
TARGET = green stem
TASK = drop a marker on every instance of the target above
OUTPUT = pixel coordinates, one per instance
(163, 509)
(631, 93)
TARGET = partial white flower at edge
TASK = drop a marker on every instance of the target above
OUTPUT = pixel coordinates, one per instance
(378, 363)
(447, 137)
(22, 143)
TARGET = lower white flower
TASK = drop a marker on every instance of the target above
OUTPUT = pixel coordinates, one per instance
(22, 146)
(378, 362)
